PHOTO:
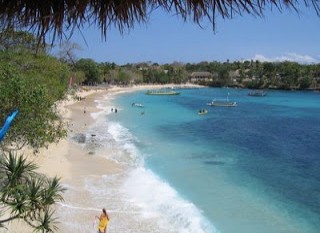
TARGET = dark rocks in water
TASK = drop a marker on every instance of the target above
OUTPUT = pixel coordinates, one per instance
(80, 138)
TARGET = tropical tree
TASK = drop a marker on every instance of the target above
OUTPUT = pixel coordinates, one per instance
(19, 52)
(67, 52)
(106, 71)
(123, 77)
(38, 122)
(30, 83)
(224, 75)
(28, 195)
(79, 77)
(90, 68)
(290, 72)
(11, 40)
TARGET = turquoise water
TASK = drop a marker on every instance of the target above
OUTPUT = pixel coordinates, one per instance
(250, 168)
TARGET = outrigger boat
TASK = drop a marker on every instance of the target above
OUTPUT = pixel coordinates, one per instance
(257, 93)
(162, 92)
(137, 105)
(222, 103)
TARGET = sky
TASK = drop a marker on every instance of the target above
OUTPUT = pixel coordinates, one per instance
(166, 38)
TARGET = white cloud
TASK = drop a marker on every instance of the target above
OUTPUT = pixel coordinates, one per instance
(303, 59)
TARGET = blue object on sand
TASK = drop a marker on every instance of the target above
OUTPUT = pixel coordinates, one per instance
(6, 125)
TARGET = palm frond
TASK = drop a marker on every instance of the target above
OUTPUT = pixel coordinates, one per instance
(15, 169)
(27, 194)
(58, 16)
(46, 222)
(35, 202)
(52, 191)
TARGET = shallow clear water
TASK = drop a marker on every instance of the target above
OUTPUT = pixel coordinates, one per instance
(250, 168)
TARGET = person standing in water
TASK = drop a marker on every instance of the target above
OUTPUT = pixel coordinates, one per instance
(103, 221)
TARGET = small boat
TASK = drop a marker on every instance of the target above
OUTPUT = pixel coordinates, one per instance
(257, 93)
(162, 92)
(137, 105)
(203, 112)
(222, 103)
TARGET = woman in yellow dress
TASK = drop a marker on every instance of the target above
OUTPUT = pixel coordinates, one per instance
(103, 221)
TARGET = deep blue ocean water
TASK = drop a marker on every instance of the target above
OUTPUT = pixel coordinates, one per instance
(249, 168)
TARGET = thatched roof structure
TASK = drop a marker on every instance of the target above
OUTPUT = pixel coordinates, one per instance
(59, 16)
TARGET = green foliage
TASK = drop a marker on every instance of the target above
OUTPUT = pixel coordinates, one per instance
(90, 69)
(27, 194)
(79, 77)
(37, 122)
(256, 74)
(18, 41)
(40, 69)
(31, 83)
(123, 78)
(155, 76)
(250, 74)
(305, 82)
(163, 75)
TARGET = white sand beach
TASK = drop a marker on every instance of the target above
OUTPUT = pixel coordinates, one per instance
(76, 165)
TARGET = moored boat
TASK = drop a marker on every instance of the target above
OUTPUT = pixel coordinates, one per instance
(162, 92)
(137, 105)
(222, 103)
(257, 93)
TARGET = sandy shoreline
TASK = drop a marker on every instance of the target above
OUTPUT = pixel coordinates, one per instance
(75, 164)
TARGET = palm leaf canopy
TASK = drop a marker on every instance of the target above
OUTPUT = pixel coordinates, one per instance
(58, 16)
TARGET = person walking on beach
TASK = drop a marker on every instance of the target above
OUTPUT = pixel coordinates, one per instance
(103, 221)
